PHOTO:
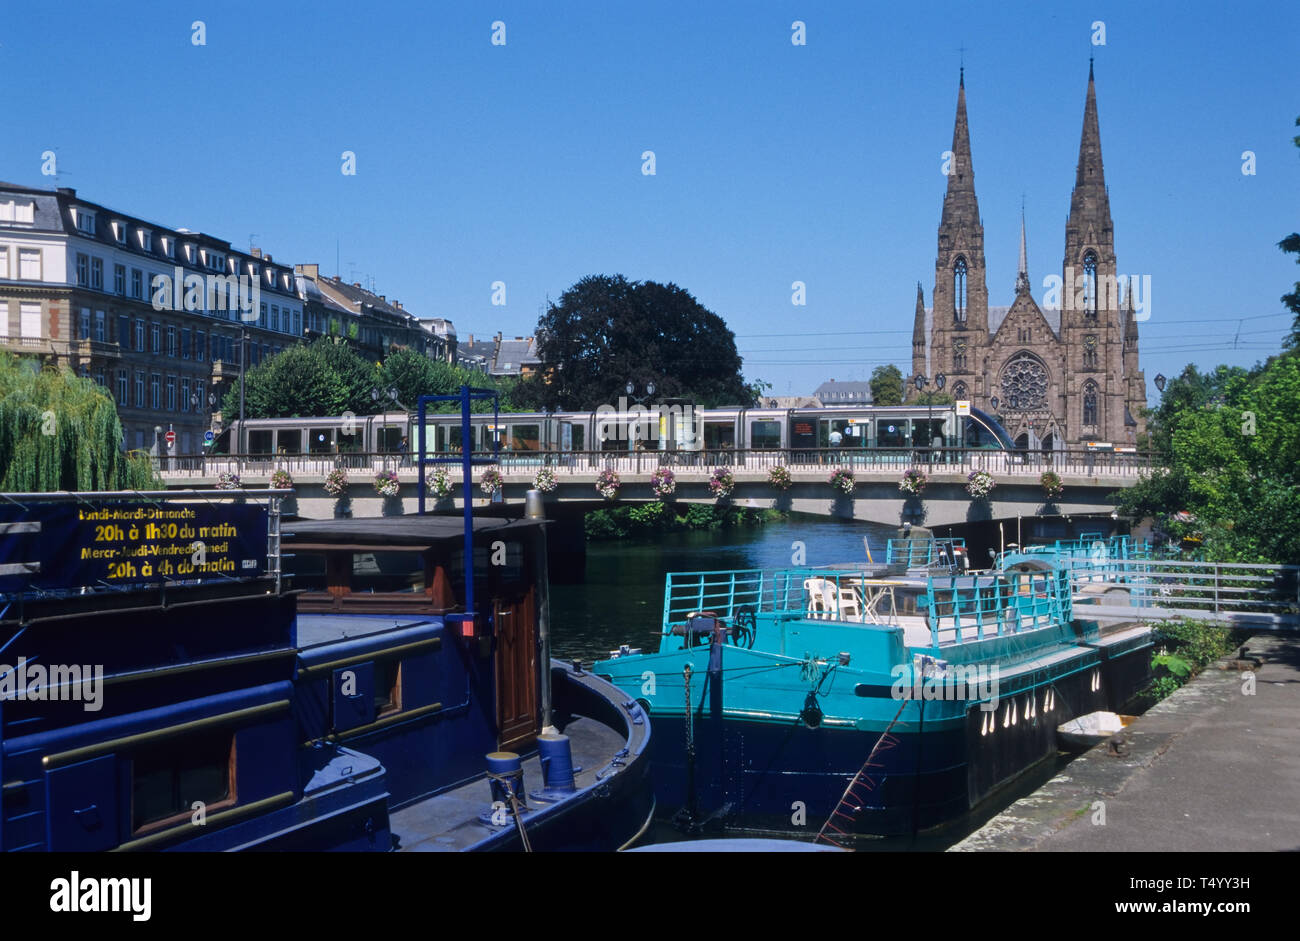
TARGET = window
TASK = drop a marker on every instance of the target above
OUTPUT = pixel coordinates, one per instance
(166, 780)
(97, 274)
(121, 387)
(99, 377)
(171, 340)
(139, 389)
(155, 338)
(85, 323)
(86, 221)
(185, 343)
(1090, 286)
(171, 393)
(123, 333)
(959, 392)
(959, 290)
(119, 279)
(200, 345)
(155, 391)
(29, 264)
(119, 232)
(297, 323)
(764, 434)
(139, 336)
(137, 283)
(101, 333)
(4, 261)
(29, 320)
(1024, 383)
(185, 394)
(275, 317)
(146, 240)
(959, 361)
(261, 317)
(83, 269)
(1090, 403)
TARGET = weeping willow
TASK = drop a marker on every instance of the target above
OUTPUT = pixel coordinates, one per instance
(61, 432)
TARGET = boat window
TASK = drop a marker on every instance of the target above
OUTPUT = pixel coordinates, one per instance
(307, 569)
(168, 778)
(388, 687)
(259, 441)
(387, 572)
(764, 434)
(290, 441)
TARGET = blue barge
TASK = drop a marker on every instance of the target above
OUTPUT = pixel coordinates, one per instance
(847, 703)
(221, 682)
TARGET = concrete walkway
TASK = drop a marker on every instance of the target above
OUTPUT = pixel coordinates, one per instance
(1209, 768)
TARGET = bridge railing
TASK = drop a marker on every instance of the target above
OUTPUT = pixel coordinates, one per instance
(1216, 589)
(1025, 465)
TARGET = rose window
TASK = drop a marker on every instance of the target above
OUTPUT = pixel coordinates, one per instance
(1024, 383)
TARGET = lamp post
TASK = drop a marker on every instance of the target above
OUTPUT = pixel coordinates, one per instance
(1160, 381)
(630, 390)
(939, 382)
(243, 360)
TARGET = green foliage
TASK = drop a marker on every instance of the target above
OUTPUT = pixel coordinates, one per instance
(329, 377)
(1195, 645)
(933, 397)
(886, 385)
(61, 432)
(648, 519)
(1231, 446)
(608, 331)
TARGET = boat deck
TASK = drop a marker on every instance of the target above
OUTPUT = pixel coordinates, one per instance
(449, 822)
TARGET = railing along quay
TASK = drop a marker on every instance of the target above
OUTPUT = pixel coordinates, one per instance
(1015, 464)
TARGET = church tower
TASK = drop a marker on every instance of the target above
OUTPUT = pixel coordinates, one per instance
(1092, 335)
(960, 300)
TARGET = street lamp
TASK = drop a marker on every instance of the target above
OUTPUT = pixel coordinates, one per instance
(939, 382)
(1160, 381)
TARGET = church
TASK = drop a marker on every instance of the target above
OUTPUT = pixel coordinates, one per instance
(1059, 377)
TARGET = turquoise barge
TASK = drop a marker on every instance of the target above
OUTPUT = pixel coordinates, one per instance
(844, 702)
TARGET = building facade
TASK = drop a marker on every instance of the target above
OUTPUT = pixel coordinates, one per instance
(163, 318)
(1057, 377)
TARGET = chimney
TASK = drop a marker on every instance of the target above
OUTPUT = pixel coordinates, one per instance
(397, 304)
(471, 339)
(309, 271)
(255, 252)
(356, 284)
(517, 339)
(383, 298)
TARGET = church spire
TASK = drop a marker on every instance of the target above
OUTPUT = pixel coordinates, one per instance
(1022, 272)
(919, 366)
(961, 175)
(1089, 168)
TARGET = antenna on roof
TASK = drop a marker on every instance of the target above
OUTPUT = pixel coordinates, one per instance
(252, 236)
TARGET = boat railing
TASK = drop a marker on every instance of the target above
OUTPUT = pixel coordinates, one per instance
(919, 553)
(962, 609)
(722, 592)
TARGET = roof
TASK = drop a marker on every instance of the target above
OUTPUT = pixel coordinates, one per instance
(417, 531)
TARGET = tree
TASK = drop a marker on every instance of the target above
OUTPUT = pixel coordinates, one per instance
(414, 374)
(934, 397)
(61, 432)
(608, 331)
(324, 378)
(887, 385)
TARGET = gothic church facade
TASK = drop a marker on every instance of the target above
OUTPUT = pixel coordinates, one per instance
(1062, 377)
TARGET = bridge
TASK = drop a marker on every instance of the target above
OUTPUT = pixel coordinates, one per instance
(1088, 479)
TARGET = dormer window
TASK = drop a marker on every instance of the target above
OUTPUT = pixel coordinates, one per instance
(13, 211)
(146, 240)
(119, 232)
(85, 221)
(253, 269)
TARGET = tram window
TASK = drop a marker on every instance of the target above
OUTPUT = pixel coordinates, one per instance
(572, 437)
(355, 441)
(387, 572)
(764, 434)
(525, 438)
(390, 438)
(322, 440)
(259, 441)
(891, 432)
(803, 433)
(837, 433)
(919, 438)
(719, 435)
(290, 442)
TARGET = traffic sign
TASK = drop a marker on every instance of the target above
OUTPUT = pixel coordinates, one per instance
(171, 439)
(207, 437)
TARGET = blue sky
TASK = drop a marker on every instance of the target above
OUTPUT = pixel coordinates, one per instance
(774, 163)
